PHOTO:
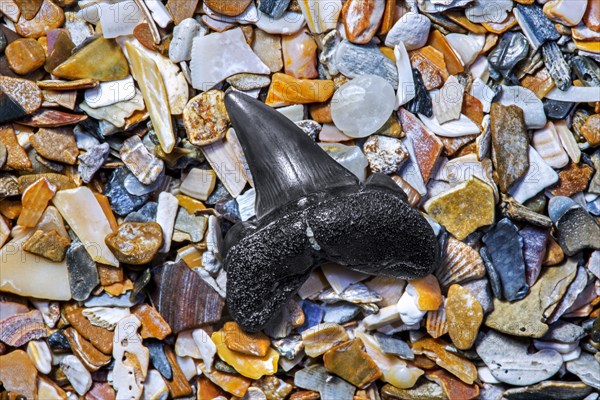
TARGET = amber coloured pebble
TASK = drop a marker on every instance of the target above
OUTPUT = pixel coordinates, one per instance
(56, 144)
(350, 362)
(47, 244)
(286, 90)
(153, 324)
(573, 179)
(18, 374)
(25, 56)
(465, 314)
(135, 242)
(253, 344)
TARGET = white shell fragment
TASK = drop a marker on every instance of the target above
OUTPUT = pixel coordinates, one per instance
(526, 100)
(155, 387)
(447, 101)
(79, 377)
(131, 359)
(483, 93)
(40, 355)
(547, 143)
(117, 113)
(412, 29)
(206, 347)
(109, 93)
(568, 140)
(460, 127)
(488, 10)
(321, 15)
(159, 12)
(166, 213)
(538, 177)
(199, 183)
(351, 157)
(246, 204)
(119, 19)
(105, 317)
(575, 94)
(288, 24)
(221, 156)
(217, 56)
(406, 85)
(467, 47)
(84, 215)
(145, 166)
(410, 171)
(407, 307)
(294, 112)
(180, 48)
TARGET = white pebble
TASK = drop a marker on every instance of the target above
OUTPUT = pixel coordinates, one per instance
(79, 377)
(412, 29)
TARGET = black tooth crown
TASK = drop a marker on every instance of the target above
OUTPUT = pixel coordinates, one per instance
(285, 163)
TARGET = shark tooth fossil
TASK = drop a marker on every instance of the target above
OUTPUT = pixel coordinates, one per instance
(310, 210)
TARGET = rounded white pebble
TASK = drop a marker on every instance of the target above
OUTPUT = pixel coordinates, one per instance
(363, 105)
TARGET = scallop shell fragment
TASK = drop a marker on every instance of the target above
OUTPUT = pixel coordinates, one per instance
(461, 263)
(548, 145)
(105, 317)
(437, 322)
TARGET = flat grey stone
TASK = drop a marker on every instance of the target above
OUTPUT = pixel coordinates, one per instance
(587, 369)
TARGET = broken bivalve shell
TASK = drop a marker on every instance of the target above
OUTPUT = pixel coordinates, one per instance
(105, 317)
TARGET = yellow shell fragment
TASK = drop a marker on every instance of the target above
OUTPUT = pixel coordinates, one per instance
(252, 367)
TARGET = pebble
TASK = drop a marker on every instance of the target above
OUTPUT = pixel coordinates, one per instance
(109, 93)
(509, 141)
(21, 91)
(320, 338)
(362, 93)
(317, 379)
(435, 349)
(509, 362)
(135, 242)
(101, 59)
(573, 179)
(79, 377)
(274, 8)
(535, 25)
(253, 367)
(184, 33)
(412, 29)
(40, 354)
(25, 56)
(464, 208)
(214, 47)
(362, 19)
(83, 275)
(205, 118)
(300, 55)
(525, 317)
(268, 48)
(585, 367)
(18, 373)
(355, 60)
(385, 154)
(252, 344)
(421, 103)
(92, 358)
(50, 245)
(144, 165)
(465, 315)
(547, 143)
(550, 389)
(525, 99)
(577, 230)
(121, 201)
(349, 361)
(56, 144)
(320, 16)
(510, 50)
(505, 248)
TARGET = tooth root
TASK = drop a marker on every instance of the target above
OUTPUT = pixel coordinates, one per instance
(285, 163)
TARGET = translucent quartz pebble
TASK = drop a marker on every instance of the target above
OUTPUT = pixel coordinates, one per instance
(363, 105)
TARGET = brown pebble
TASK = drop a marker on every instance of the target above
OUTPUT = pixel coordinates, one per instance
(321, 112)
(56, 145)
(50, 16)
(205, 118)
(252, 344)
(101, 338)
(25, 56)
(178, 385)
(135, 242)
(18, 374)
(101, 391)
(47, 244)
(153, 324)
(92, 358)
(23, 91)
(230, 8)
(182, 9)
(554, 253)
(110, 275)
(350, 362)
(573, 179)
(61, 51)
(465, 315)
(208, 390)
(591, 130)
(361, 19)
(17, 157)
(453, 387)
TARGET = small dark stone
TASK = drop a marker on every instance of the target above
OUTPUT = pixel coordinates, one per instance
(421, 103)
(274, 8)
(58, 342)
(512, 48)
(222, 366)
(158, 358)
(392, 345)
(227, 207)
(9, 109)
(556, 65)
(556, 109)
(505, 247)
(92, 160)
(140, 283)
(538, 28)
(577, 230)
(586, 70)
(145, 214)
(83, 274)
(534, 250)
(493, 276)
(217, 194)
(121, 201)
(184, 299)
(313, 315)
